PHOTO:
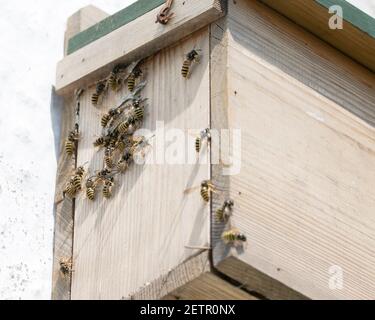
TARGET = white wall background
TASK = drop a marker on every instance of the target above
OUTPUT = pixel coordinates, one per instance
(32, 36)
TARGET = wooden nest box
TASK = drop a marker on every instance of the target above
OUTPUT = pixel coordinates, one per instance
(300, 95)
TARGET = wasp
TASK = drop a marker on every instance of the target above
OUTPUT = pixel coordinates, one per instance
(204, 134)
(66, 266)
(223, 213)
(101, 177)
(77, 178)
(123, 127)
(70, 143)
(125, 161)
(234, 236)
(106, 118)
(104, 141)
(136, 73)
(114, 80)
(206, 188)
(139, 113)
(108, 186)
(90, 189)
(99, 90)
(192, 56)
(108, 157)
(75, 183)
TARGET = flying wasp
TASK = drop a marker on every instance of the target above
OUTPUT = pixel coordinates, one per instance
(224, 213)
(192, 56)
(135, 74)
(234, 237)
(204, 134)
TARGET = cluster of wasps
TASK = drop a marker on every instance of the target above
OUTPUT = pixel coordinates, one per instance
(117, 140)
(120, 146)
(120, 75)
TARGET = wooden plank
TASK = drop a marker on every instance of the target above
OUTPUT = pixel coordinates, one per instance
(82, 20)
(178, 277)
(63, 210)
(106, 26)
(140, 234)
(208, 287)
(143, 38)
(356, 39)
(257, 282)
(304, 197)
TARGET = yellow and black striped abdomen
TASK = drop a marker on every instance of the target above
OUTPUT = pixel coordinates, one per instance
(77, 182)
(123, 127)
(108, 161)
(107, 190)
(105, 120)
(95, 98)
(70, 191)
(90, 193)
(131, 82)
(205, 193)
(112, 81)
(99, 142)
(198, 144)
(186, 68)
(220, 215)
(229, 236)
(69, 147)
(138, 114)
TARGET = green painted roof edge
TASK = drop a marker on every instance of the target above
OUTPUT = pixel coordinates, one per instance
(112, 23)
(352, 14)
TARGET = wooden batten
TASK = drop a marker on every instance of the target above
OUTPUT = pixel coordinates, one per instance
(136, 40)
(82, 20)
